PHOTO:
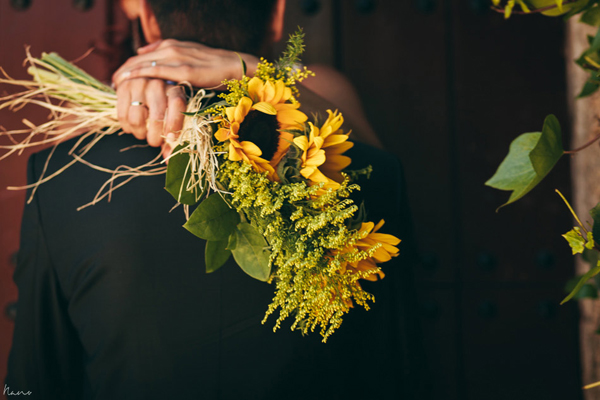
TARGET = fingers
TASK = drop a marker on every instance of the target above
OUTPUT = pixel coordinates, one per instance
(157, 105)
(137, 113)
(149, 47)
(176, 73)
(176, 105)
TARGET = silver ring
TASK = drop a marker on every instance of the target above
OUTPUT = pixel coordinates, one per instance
(137, 103)
(153, 64)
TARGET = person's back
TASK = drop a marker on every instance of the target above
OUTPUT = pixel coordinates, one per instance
(121, 305)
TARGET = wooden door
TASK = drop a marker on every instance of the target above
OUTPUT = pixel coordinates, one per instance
(447, 85)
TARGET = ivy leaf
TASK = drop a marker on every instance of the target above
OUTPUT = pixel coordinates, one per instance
(213, 219)
(595, 214)
(588, 88)
(591, 17)
(587, 291)
(582, 281)
(575, 239)
(530, 158)
(215, 254)
(251, 252)
(590, 241)
(178, 177)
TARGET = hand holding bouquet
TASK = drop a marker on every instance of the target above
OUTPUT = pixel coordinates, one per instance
(269, 186)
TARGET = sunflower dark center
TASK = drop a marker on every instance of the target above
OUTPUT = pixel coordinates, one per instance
(261, 129)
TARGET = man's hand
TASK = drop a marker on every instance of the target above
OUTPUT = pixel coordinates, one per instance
(150, 109)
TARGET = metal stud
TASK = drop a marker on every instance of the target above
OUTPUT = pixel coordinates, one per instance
(310, 7)
(20, 5)
(83, 5)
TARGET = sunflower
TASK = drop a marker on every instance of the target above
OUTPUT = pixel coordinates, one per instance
(386, 250)
(322, 159)
(258, 126)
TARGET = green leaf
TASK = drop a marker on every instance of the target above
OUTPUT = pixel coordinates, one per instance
(213, 219)
(595, 214)
(595, 46)
(575, 239)
(591, 17)
(178, 177)
(587, 291)
(252, 252)
(530, 158)
(549, 149)
(582, 281)
(590, 241)
(215, 254)
(588, 88)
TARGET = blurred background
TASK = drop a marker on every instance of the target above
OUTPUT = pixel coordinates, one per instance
(446, 85)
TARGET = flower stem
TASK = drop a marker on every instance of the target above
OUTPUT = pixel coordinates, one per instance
(571, 209)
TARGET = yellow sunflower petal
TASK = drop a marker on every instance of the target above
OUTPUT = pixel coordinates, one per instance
(338, 148)
(336, 163)
(234, 154)
(302, 142)
(384, 238)
(279, 91)
(251, 149)
(255, 86)
(242, 109)
(285, 141)
(291, 118)
(315, 158)
(334, 140)
(264, 107)
(268, 92)
(287, 93)
(379, 225)
(222, 134)
(230, 112)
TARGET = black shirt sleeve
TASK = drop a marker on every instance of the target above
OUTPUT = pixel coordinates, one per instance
(46, 355)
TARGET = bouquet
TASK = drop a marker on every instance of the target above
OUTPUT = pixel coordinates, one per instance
(268, 186)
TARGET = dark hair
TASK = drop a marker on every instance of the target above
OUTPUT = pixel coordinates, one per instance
(239, 25)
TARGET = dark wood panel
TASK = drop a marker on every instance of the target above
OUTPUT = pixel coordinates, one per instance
(438, 318)
(508, 76)
(317, 20)
(395, 54)
(520, 344)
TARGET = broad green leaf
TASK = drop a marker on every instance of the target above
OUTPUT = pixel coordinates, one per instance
(576, 241)
(530, 158)
(582, 281)
(591, 17)
(213, 219)
(251, 252)
(178, 176)
(215, 254)
(549, 149)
